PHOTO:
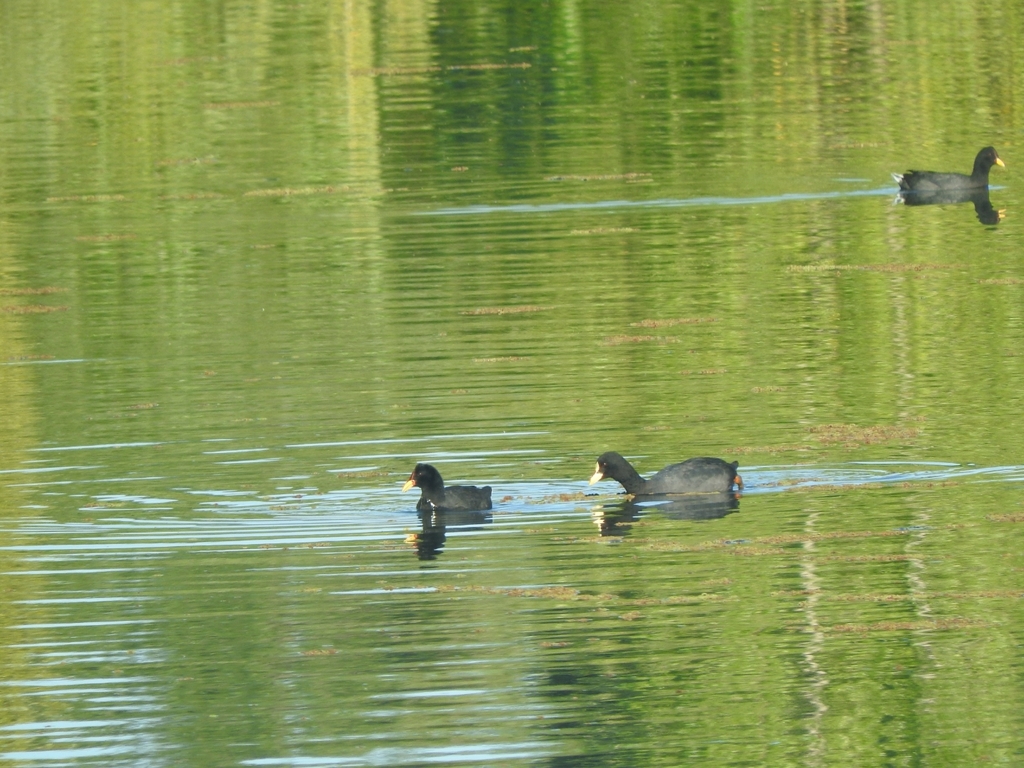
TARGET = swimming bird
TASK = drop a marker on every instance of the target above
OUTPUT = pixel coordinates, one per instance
(700, 475)
(434, 496)
(930, 181)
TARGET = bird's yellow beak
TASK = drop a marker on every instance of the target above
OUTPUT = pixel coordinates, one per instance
(1000, 163)
(598, 475)
(410, 483)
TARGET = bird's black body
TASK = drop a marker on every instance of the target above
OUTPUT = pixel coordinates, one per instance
(930, 181)
(434, 496)
(700, 475)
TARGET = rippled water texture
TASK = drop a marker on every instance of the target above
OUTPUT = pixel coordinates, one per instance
(257, 260)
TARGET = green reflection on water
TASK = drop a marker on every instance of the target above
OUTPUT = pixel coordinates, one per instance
(213, 254)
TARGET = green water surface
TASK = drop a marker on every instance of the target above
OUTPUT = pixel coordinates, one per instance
(258, 259)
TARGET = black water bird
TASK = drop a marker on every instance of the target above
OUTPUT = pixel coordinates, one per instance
(434, 496)
(700, 475)
(930, 181)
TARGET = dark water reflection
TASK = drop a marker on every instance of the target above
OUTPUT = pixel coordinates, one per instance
(430, 541)
(983, 208)
(613, 518)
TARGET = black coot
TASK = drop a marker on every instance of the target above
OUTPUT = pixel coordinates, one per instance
(434, 496)
(700, 475)
(930, 181)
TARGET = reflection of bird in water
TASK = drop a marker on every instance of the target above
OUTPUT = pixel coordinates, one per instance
(702, 506)
(982, 205)
(435, 496)
(700, 475)
(615, 519)
(612, 518)
(930, 181)
(430, 541)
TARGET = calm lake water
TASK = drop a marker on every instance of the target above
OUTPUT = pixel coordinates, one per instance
(258, 259)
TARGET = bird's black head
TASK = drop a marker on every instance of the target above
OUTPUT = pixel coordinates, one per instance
(611, 464)
(986, 158)
(425, 477)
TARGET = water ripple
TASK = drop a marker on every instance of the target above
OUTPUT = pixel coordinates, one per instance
(471, 210)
